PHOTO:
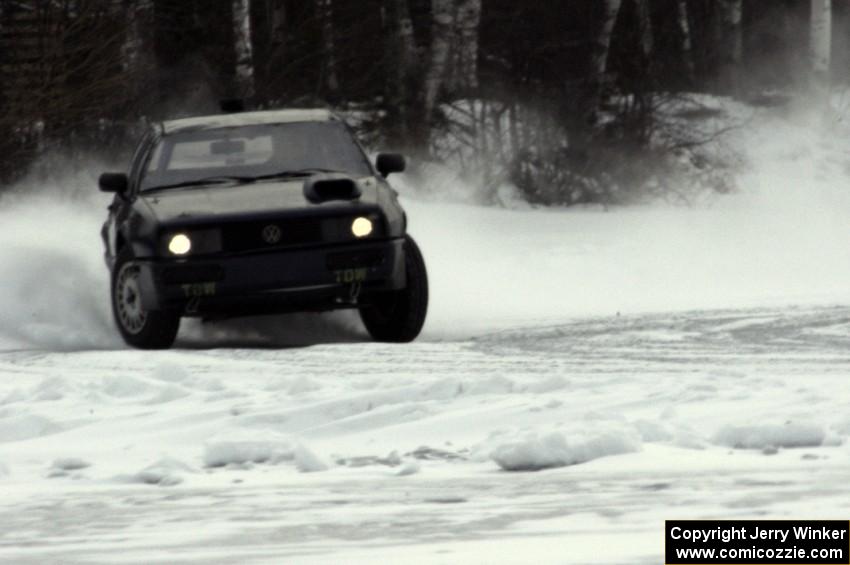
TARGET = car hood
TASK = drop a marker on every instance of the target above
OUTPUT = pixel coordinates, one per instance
(260, 199)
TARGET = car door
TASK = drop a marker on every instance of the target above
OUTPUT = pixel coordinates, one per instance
(120, 210)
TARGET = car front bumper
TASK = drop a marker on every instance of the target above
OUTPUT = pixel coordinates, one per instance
(314, 278)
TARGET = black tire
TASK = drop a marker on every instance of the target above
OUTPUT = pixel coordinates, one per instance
(398, 316)
(144, 329)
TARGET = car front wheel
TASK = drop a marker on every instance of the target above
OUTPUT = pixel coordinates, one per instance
(145, 329)
(398, 316)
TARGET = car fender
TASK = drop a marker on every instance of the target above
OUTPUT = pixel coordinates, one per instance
(139, 231)
(393, 212)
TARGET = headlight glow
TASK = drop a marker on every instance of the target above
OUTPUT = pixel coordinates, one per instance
(180, 244)
(361, 227)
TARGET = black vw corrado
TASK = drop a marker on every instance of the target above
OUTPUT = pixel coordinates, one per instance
(259, 213)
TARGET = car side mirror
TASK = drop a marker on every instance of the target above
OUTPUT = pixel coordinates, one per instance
(113, 182)
(388, 163)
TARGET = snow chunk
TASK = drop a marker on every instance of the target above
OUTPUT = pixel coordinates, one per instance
(165, 473)
(765, 436)
(307, 461)
(556, 450)
(220, 453)
(70, 464)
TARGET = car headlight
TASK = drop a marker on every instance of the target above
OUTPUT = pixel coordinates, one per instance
(361, 227)
(180, 244)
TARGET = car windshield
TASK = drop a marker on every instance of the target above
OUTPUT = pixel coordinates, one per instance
(249, 152)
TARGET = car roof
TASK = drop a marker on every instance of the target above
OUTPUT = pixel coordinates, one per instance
(201, 123)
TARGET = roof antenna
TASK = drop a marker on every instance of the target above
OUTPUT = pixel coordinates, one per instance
(232, 105)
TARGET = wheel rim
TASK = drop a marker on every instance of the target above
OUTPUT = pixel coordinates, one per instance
(128, 303)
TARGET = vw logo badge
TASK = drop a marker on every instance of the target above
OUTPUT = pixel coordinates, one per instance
(271, 234)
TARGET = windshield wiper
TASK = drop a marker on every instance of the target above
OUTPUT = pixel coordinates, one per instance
(202, 182)
(296, 173)
(299, 173)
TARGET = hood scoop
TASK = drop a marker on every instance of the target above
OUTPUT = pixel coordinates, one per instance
(331, 187)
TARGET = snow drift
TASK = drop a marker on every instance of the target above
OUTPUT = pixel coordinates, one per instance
(247, 449)
(166, 472)
(764, 436)
(555, 449)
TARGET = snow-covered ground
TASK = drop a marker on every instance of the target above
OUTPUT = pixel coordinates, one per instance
(583, 376)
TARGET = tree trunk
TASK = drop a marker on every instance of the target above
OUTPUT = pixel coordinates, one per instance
(821, 40)
(278, 22)
(442, 29)
(406, 42)
(244, 48)
(136, 52)
(730, 44)
(401, 62)
(580, 111)
(603, 40)
(464, 75)
(683, 18)
(645, 23)
(269, 57)
(590, 100)
(331, 79)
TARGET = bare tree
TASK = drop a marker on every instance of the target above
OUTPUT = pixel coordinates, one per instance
(64, 78)
(74, 66)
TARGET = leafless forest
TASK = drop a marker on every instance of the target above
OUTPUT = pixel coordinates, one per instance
(569, 100)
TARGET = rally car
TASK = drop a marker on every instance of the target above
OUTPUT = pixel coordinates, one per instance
(256, 213)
